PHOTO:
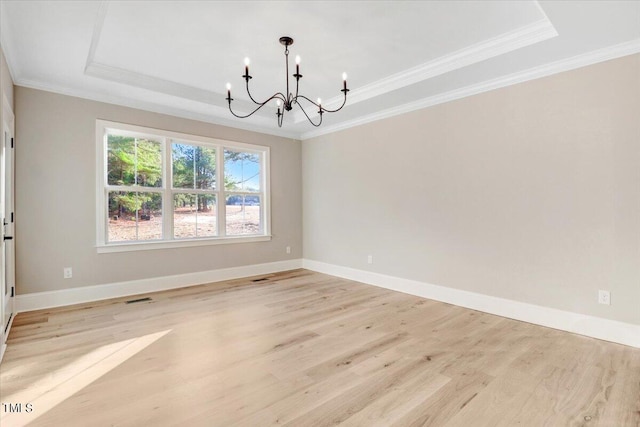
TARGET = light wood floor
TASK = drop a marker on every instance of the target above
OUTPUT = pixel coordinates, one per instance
(306, 349)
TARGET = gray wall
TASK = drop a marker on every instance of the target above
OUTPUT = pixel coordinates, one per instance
(530, 193)
(55, 197)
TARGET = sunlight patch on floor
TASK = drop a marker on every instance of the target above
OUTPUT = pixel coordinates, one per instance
(73, 377)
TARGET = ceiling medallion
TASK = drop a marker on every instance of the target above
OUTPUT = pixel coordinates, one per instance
(286, 102)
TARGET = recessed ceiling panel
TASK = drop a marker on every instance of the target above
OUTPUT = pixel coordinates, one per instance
(203, 44)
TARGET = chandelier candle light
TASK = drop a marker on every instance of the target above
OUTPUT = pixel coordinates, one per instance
(285, 103)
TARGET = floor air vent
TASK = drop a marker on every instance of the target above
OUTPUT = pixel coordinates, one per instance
(138, 300)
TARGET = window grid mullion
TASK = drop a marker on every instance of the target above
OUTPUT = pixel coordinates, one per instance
(167, 196)
(137, 218)
(222, 203)
(104, 181)
(243, 193)
(134, 189)
(192, 191)
(135, 165)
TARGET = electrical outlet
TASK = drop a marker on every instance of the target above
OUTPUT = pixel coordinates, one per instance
(370, 259)
(67, 273)
(288, 249)
(604, 297)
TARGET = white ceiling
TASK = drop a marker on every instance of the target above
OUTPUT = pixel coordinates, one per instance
(175, 57)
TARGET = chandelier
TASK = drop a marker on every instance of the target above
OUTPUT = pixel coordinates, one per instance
(286, 102)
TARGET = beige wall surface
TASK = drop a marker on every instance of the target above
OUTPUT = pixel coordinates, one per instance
(56, 193)
(530, 192)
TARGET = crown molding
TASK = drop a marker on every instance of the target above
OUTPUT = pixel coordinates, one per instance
(207, 113)
(168, 87)
(155, 84)
(600, 55)
(143, 81)
(97, 30)
(521, 37)
(261, 127)
(529, 34)
(623, 49)
(526, 35)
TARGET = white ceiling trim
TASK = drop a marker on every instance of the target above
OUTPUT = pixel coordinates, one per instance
(259, 127)
(578, 61)
(97, 30)
(168, 87)
(155, 84)
(527, 35)
(521, 37)
(590, 58)
(209, 112)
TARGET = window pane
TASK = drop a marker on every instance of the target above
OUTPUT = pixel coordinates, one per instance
(133, 161)
(193, 166)
(241, 171)
(205, 160)
(243, 215)
(207, 220)
(182, 160)
(194, 215)
(121, 157)
(149, 163)
(134, 216)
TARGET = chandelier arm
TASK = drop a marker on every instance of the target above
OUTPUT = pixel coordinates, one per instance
(260, 105)
(344, 101)
(248, 115)
(277, 95)
(305, 98)
(251, 97)
(307, 116)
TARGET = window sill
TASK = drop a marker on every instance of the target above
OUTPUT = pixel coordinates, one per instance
(145, 246)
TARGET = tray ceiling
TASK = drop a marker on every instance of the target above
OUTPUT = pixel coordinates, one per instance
(176, 57)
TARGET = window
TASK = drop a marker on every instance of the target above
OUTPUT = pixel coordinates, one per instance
(242, 192)
(165, 189)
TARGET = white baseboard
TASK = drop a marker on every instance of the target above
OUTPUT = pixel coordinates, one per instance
(591, 326)
(43, 300)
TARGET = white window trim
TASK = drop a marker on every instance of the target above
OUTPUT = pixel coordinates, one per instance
(102, 246)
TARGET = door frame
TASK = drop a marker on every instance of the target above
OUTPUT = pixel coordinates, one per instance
(7, 251)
